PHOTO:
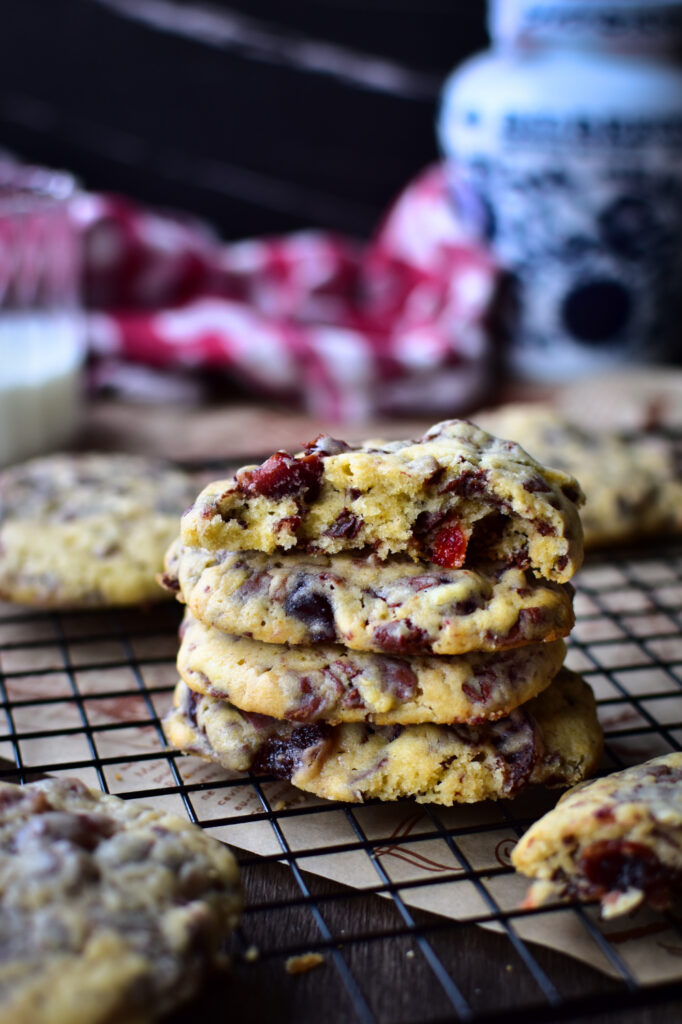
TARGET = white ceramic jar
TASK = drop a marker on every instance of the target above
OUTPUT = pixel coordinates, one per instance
(564, 143)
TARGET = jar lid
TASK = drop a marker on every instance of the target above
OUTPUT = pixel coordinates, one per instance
(632, 23)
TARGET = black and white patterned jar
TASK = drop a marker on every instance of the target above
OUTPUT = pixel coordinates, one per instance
(565, 148)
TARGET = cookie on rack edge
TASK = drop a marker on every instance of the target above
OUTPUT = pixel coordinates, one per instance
(78, 531)
(110, 911)
(632, 485)
(618, 839)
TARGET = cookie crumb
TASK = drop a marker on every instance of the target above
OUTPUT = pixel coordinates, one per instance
(303, 963)
(410, 954)
(251, 954)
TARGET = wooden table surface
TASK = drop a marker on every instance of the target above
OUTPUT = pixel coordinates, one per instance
(261, 990)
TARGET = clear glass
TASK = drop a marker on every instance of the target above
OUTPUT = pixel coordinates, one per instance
(41, 326)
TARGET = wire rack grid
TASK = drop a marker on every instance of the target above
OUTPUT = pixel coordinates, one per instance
(84, 693)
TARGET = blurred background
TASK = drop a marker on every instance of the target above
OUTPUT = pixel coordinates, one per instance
(260, 116)
(372, 214)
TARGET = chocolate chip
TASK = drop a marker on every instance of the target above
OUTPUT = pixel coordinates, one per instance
(469, 484)
(254, 586)
(536, 484)
(398, 678)
(325, 445)
(313, 608)
(401, 637)
(282, 757)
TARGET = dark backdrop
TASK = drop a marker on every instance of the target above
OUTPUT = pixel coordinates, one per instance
(261, 115)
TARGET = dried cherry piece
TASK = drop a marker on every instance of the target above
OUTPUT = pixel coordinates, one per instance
(283, 475)
(449, 547)
(346, 524)
(617, 864)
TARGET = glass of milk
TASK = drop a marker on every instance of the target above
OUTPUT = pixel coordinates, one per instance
(41, 327)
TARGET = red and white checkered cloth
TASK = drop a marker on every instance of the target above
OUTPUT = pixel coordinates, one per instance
(399, 326)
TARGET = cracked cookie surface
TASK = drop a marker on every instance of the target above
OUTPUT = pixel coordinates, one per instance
(554, 739)
(110, 911)
(618, 839)
(85, 530)
(332, 684)
(394, 607)
(457, 496)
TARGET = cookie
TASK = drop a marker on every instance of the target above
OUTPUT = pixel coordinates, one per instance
(618, 840)
(633, 486)
(457, 496)
(554, 739)
(394, 607)
(110, 911)
(329, 683)
(83, 530)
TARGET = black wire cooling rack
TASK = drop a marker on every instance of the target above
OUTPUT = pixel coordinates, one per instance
(83, 694)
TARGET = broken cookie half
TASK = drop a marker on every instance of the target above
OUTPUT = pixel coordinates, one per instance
(618, 840)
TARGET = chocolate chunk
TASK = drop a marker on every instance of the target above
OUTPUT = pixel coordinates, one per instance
(282, 757)
(324, 445)
(544, 528)
(401, 637)
(515, 739)
(398, 678)
(169, 582)
(313, 608)
(479, 688)
(311, 705)
(255, 585)
(469, 484)
(85, 831)
(536, 484)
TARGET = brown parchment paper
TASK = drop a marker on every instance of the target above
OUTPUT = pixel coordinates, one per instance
(110, 672)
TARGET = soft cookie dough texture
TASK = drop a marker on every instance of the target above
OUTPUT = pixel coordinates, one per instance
(329, 683)
(110, 911)
(398, 606)
(84, 530)
(633, 486)
(618, 839)
(456, 495)
(554, 739)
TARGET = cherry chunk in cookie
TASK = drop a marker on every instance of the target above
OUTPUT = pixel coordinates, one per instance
(457, 496)
(618, 840)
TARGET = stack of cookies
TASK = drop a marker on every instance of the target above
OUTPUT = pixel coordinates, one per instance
(385, 621)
